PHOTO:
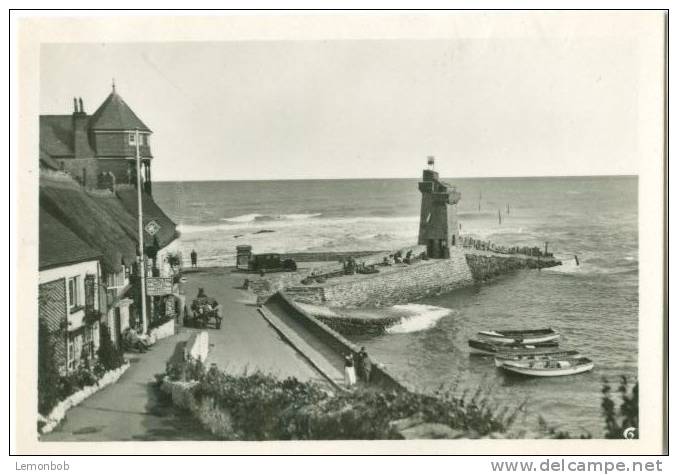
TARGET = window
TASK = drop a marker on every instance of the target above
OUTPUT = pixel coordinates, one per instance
(147, 140)
(132, 138)
(74, 293)
(117, 280)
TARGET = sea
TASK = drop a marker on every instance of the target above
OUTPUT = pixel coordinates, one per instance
(594, 304)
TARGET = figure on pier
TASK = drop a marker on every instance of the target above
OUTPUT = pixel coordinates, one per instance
(438, 228)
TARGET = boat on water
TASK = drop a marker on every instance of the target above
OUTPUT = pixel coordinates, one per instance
(483, 347)
(546, 368)
(527, 358)
(540, 335)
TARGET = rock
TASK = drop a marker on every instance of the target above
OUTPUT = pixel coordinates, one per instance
(431, 430)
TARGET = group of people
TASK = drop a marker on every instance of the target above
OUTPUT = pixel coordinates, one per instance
(136, 340)
(356, 367)
(398, 258)
(205, 304)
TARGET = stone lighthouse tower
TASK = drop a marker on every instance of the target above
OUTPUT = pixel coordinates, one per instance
(438, 227)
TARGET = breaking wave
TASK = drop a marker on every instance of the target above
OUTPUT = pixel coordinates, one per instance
(419, 317)
(255, 217)
(584, 268)
(254, 221)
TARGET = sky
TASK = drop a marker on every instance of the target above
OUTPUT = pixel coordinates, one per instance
(248, 110)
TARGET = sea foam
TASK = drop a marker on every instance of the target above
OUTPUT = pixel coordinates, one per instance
(418, 317)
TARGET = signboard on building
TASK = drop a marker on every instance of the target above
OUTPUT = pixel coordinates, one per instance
(158, 286)
(152, 227)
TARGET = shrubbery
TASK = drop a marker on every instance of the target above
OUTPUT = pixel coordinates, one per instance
(191, 370)
(626, 416)
(616, 420)
(110, 355)
(54, 387)
(48, 373)
(262, 407)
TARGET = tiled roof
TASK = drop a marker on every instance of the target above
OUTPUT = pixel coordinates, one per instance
(115, 114)
(59, 245)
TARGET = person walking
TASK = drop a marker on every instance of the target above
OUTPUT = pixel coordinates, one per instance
(365, 365)
(194, 258)
(349, 371)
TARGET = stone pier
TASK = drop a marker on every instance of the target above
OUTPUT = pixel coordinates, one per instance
(401, 283)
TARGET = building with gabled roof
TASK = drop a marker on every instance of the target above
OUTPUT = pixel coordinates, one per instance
(98, 150)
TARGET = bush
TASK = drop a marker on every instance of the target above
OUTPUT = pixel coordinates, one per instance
(53, 387)
(618, 420)
(75, 381)
(48, 373)
(190, 370)
(262, 407)
(110, 356)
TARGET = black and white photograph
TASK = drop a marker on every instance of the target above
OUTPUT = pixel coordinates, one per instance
(451, 236)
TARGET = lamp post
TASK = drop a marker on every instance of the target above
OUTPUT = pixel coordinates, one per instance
(142, 260)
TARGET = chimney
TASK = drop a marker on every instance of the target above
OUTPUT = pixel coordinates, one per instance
(75, 105)
(81, 147)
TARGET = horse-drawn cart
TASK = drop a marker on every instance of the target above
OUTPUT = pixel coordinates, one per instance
(205, 310)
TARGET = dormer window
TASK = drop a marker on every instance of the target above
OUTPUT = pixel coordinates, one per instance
(132, 138)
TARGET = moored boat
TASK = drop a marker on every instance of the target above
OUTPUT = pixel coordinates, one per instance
(491, 348)
(527, 358)
(546, 368)
(540, 335)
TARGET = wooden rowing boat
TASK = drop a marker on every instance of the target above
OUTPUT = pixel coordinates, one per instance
(520, 336)
(546, 368)
(482, 347)
(527, 358)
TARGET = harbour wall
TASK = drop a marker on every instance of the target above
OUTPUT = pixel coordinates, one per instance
(412, 282)
(486, 265)
(409, 283)
(326, 264)
(332, 339)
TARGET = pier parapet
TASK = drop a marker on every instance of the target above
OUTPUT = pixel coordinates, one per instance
(438, 226)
